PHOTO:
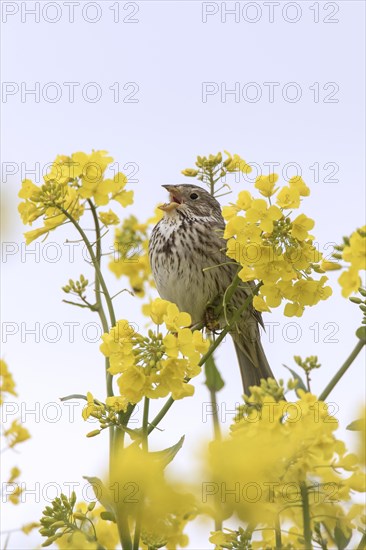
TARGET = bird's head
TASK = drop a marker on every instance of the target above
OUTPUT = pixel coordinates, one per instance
(190, 200)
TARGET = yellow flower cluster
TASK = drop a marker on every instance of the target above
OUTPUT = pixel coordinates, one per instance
(234, 163)
(131, 253)
(136, 487)
(106, 532)
(354, 253)
(267, 488)
(275, 249)
(13, 435)
(16, 433)
(14, 496)
(47, 202)
(7, 384)
(68, 184)
(213, 168)
(165, 507)
(156, 365)
(109, 218)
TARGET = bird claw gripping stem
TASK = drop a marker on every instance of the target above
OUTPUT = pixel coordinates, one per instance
(211, 320)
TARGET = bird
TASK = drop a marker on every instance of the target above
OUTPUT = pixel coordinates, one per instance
(190, 268)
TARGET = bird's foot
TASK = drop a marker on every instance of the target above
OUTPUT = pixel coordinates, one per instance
(211, 321)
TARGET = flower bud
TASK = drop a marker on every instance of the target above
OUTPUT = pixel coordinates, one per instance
(93, 433)
(79, 515)
(58, 524)
(48, 521)
(190, 172)
(45, 532)
(49, 541)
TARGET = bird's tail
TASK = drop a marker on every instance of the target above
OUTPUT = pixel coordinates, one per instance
(253, 362)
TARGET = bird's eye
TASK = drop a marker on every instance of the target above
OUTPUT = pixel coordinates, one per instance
(193, 196)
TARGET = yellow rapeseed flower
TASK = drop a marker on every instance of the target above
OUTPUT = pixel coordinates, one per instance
(109, 218)
(274, 249)
(156, 365)
(288, 197)
(174, 319)
(266, 185)
(16, 433)
(298, 183)
(355, 252)
(7, 384)
(300, 227)
(350, 282)
(69, 182)
(260, 212)
(234, 163)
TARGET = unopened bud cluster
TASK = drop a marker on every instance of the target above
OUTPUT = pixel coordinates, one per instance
(76, 287)
(59, 519)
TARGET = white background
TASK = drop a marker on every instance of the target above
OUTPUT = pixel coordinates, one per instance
(169, 52)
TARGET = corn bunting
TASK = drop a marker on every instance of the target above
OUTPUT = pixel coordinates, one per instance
(190, 268)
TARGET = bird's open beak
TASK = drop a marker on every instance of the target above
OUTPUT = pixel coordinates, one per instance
(175, 198)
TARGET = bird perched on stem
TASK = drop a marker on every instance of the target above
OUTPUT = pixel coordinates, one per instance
(191, 269)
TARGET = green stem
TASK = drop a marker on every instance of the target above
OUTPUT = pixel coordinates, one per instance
(212, 182)
(136, 538)
(153, 424)
(336, 378)
(124, 533)
(217, 437)
(73, 396)
(115, 442)
(232, 288)
(121, 513)
(145, 448)
(98, 255)
(102, 316)
(208, 354)
(95, 264)
(306, 516)
(307, 374)
(278, 534)
(145, 425)
(215, 417)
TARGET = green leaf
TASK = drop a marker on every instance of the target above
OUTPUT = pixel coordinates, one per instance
(300, 382)
(167, 455)
(213, 381)
(340, 538)
(356, 425)
(361, 333)
(101, 492)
